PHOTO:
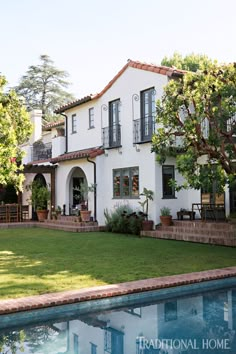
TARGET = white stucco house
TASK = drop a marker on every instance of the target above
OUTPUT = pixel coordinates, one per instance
(107, 143)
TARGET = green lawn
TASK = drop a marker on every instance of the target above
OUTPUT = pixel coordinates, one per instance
(36, 261)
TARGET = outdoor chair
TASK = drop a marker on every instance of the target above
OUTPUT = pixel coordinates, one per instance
(13, 213)
(3, 213)
(24, 212)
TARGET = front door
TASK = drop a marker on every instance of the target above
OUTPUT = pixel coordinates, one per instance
(77, 197)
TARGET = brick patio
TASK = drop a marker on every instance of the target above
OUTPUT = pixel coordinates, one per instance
(216, 233)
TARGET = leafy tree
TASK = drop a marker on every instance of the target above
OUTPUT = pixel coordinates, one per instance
(43, 87)
(12, 341)
(198, 112)
(15, 129)
(191, 62)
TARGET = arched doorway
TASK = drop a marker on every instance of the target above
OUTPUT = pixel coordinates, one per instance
(75, 179)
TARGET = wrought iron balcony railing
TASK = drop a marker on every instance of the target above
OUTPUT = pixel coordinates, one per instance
(111, 136)
(143, 129)
(42, 151)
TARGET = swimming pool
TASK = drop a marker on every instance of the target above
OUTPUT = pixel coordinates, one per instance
(196, 318)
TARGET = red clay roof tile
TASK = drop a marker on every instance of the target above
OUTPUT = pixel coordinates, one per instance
(75, 155)
(162, 70)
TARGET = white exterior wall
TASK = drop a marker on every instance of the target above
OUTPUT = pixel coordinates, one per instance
(58, 146)
(130, 83)
(84, 137)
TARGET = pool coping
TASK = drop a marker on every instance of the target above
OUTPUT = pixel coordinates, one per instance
(106, 291)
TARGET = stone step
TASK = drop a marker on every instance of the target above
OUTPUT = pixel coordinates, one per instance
(216, 240)
(205, 225)
(197, 231)
(67, 227)
(72, 221)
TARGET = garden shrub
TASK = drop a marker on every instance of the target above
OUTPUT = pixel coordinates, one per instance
(123, 220)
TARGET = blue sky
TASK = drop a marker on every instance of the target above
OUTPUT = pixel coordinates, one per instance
(92, 40)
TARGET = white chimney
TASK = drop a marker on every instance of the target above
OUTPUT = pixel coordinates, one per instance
(36, 119)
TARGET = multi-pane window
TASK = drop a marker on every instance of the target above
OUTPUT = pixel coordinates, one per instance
(168, 174)
(93, 348)
(148, 113)
(126, 182)
(170, 311)
(76, 343)
(73, 124)
(91, 118)
(114, 123)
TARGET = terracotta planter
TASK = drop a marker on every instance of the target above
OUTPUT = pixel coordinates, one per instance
(85, 215)
(166, 220)
(147, 225)
(42, 215)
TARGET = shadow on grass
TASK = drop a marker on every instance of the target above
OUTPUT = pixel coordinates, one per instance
(38, 261)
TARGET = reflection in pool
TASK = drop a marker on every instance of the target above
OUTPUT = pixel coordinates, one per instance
(203, 322)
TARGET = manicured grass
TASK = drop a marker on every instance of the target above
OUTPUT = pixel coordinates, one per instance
(36, 261)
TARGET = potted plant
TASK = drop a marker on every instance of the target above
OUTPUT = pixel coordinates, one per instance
(40, 195)
(56, 213)
(146, 223)
(166, 217)
(85, 189)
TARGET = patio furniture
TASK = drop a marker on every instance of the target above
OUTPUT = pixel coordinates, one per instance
(3, 213)
(24, 212)
(13, 211)
(210, 211)
(182, 213)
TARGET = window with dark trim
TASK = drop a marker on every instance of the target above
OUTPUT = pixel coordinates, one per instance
(168, 173)
(73, 124)
(76, 343)
(91, 118)
(93, 348)
(170, 311)
(148, 114)
(126, 182)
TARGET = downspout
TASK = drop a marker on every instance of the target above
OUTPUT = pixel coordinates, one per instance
(64, 115)
(95, 190)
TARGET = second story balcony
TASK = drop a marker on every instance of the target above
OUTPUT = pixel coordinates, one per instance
(143, 129)
(111, 136)
(41, 151)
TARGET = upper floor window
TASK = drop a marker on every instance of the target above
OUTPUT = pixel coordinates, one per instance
(170, 311)
(148, 114)
(73, 124)
(111, 135)
(126, 182)
(93, 348)
(91, 118)
(168, 173)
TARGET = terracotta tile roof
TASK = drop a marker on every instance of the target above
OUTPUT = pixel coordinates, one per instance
(75, 155)
(163, 70)
(73, 104)
(53, 125)
(158, 69)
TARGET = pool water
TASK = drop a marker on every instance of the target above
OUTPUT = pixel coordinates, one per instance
(187, 319)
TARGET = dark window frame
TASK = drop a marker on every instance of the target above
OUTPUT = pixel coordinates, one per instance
(119, 193)
(147, 115)
(91, 118)
(165, 194)
(170, 311)
(73, 124)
